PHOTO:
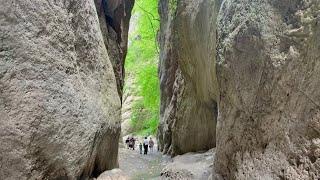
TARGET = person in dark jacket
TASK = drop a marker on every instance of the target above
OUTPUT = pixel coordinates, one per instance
(127, 142)
(145, 145)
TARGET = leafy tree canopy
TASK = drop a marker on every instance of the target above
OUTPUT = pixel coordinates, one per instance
(142, 66)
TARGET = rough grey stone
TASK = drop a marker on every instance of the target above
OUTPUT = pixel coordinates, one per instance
(59, 106)
(187, 76)
(114, 174)
(268, 71)
(114, 19)
(190, 166)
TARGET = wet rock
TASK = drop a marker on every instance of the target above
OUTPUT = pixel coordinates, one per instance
(188, 83)
(268, 72)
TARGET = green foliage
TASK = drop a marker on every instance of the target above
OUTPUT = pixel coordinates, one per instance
(141, 67)
(173, 6)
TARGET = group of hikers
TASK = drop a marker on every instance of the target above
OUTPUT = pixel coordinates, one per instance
(143, 146)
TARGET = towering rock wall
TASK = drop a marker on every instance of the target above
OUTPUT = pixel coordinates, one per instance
(187, 75)
(114, 17)
(268, 70)
(59, 105)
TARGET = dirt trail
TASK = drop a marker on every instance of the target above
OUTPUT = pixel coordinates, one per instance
(138, 166)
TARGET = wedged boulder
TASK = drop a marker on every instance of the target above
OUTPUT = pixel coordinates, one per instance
(59, 106)
(268, 71)
(188, 82)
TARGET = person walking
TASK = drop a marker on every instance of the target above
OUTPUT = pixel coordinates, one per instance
(130, 143)
(133, 143)
(140, 148)
(145, 145)
(151, 144)
(127, 142)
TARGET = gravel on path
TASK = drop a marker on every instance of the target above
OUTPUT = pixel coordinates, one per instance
(139, 167)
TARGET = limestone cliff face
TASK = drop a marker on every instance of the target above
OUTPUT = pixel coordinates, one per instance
(268, 70)
(59, 106)
(114, 17)
(187, 76)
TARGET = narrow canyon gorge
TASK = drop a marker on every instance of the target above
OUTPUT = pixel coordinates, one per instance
(239, 84)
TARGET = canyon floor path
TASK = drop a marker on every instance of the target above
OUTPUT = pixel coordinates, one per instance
(138, 166)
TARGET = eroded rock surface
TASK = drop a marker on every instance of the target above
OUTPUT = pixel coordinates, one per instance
(114, 174)
(187, 76)
(190, 166)
(114, 16)
(268, 72)
(59, 106)
(126, 113)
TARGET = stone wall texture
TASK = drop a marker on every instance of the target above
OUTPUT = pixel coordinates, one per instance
(59, 103)
(187, 75)
(114, 17)
(268, 69)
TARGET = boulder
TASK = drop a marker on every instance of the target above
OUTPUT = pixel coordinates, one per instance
(190, 166)
(59, 105)
(114, 174)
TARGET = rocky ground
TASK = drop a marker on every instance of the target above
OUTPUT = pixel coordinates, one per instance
(138, 166)
(161, 167)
